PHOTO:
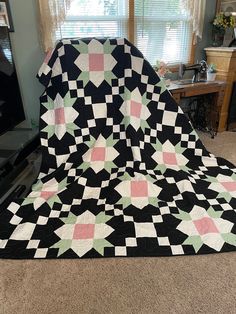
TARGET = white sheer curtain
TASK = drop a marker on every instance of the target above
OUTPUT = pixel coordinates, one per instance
(52, 14)
(196, 10)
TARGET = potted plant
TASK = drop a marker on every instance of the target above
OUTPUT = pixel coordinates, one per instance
(211, 72)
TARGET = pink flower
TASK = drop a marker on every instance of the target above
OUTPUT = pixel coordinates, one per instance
(162, 68)
(162, 71)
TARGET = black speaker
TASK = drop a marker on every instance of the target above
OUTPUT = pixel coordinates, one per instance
(11, 105)
(232, 107)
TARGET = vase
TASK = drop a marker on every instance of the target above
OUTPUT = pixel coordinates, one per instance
(217, 36)
(211, 76)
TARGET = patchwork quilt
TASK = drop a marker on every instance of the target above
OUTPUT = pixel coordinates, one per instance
(123, 173)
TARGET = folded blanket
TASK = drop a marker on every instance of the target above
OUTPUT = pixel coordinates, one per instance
(123, 173)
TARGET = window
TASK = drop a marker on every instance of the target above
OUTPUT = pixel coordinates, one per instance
(98, 18)
(161, 29)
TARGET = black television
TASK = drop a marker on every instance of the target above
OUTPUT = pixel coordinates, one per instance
(11, 106)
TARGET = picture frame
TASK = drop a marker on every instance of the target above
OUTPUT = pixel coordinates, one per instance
(5, 15)
(226, 6)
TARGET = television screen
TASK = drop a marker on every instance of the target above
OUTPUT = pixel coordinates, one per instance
(11, 106)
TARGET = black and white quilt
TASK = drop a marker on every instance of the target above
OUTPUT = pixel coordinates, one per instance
(123, 172)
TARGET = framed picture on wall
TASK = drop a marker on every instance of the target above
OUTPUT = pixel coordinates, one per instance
(228, 6)
(5, 15)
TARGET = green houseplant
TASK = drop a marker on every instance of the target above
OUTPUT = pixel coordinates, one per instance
(211, 72)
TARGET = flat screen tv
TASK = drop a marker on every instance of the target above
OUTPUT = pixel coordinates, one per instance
(11, 106)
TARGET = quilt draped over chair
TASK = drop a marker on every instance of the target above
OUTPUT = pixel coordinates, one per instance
(123, 173)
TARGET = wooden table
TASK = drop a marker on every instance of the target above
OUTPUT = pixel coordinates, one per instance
(215, 88)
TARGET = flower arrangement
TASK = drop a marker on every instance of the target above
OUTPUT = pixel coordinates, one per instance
(162, 68)
(223, 21)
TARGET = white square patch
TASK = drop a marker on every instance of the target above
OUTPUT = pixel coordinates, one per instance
(65, 77)
(41, 253)
(159, 127)
(198, 152)
(128, 218)
(51, 150)
(163, 241)
(54, 214)
(44, 142)
(184, 137)
(115, 90)
(120, 251)
(131, 242)
(72, 85)
(15, 220)
(178, 130)
(213, 201)
(13, 207)
(121, 81)
(144, 78)
(191, 144)
(91, 123)
(80, 92)
(3, 244)
(118, 212)
(23, 231)
(65, 208)
(164, 210)
(128, 72)
(91, 193)
(157, 218)
(169, 118)
(177, 249)
(85, 131)
(109, 121)
(161, 105)
(201, 196)
(127, 49)
(109, 98)
(150, 88)
(33, 244)
(99, 110)
(72, 148)
(155, 97)
(82, 181)
(116, 128)
(42, 220)
(153, 132)
(146, 229)
(88, 100)
(61, 51)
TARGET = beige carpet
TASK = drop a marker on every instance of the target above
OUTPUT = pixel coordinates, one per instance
(223, 145)
(189, 284)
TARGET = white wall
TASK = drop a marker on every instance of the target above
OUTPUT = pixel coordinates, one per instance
(27, 54)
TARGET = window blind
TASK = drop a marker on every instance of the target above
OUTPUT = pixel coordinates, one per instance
(95, 18)
(163, 30)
